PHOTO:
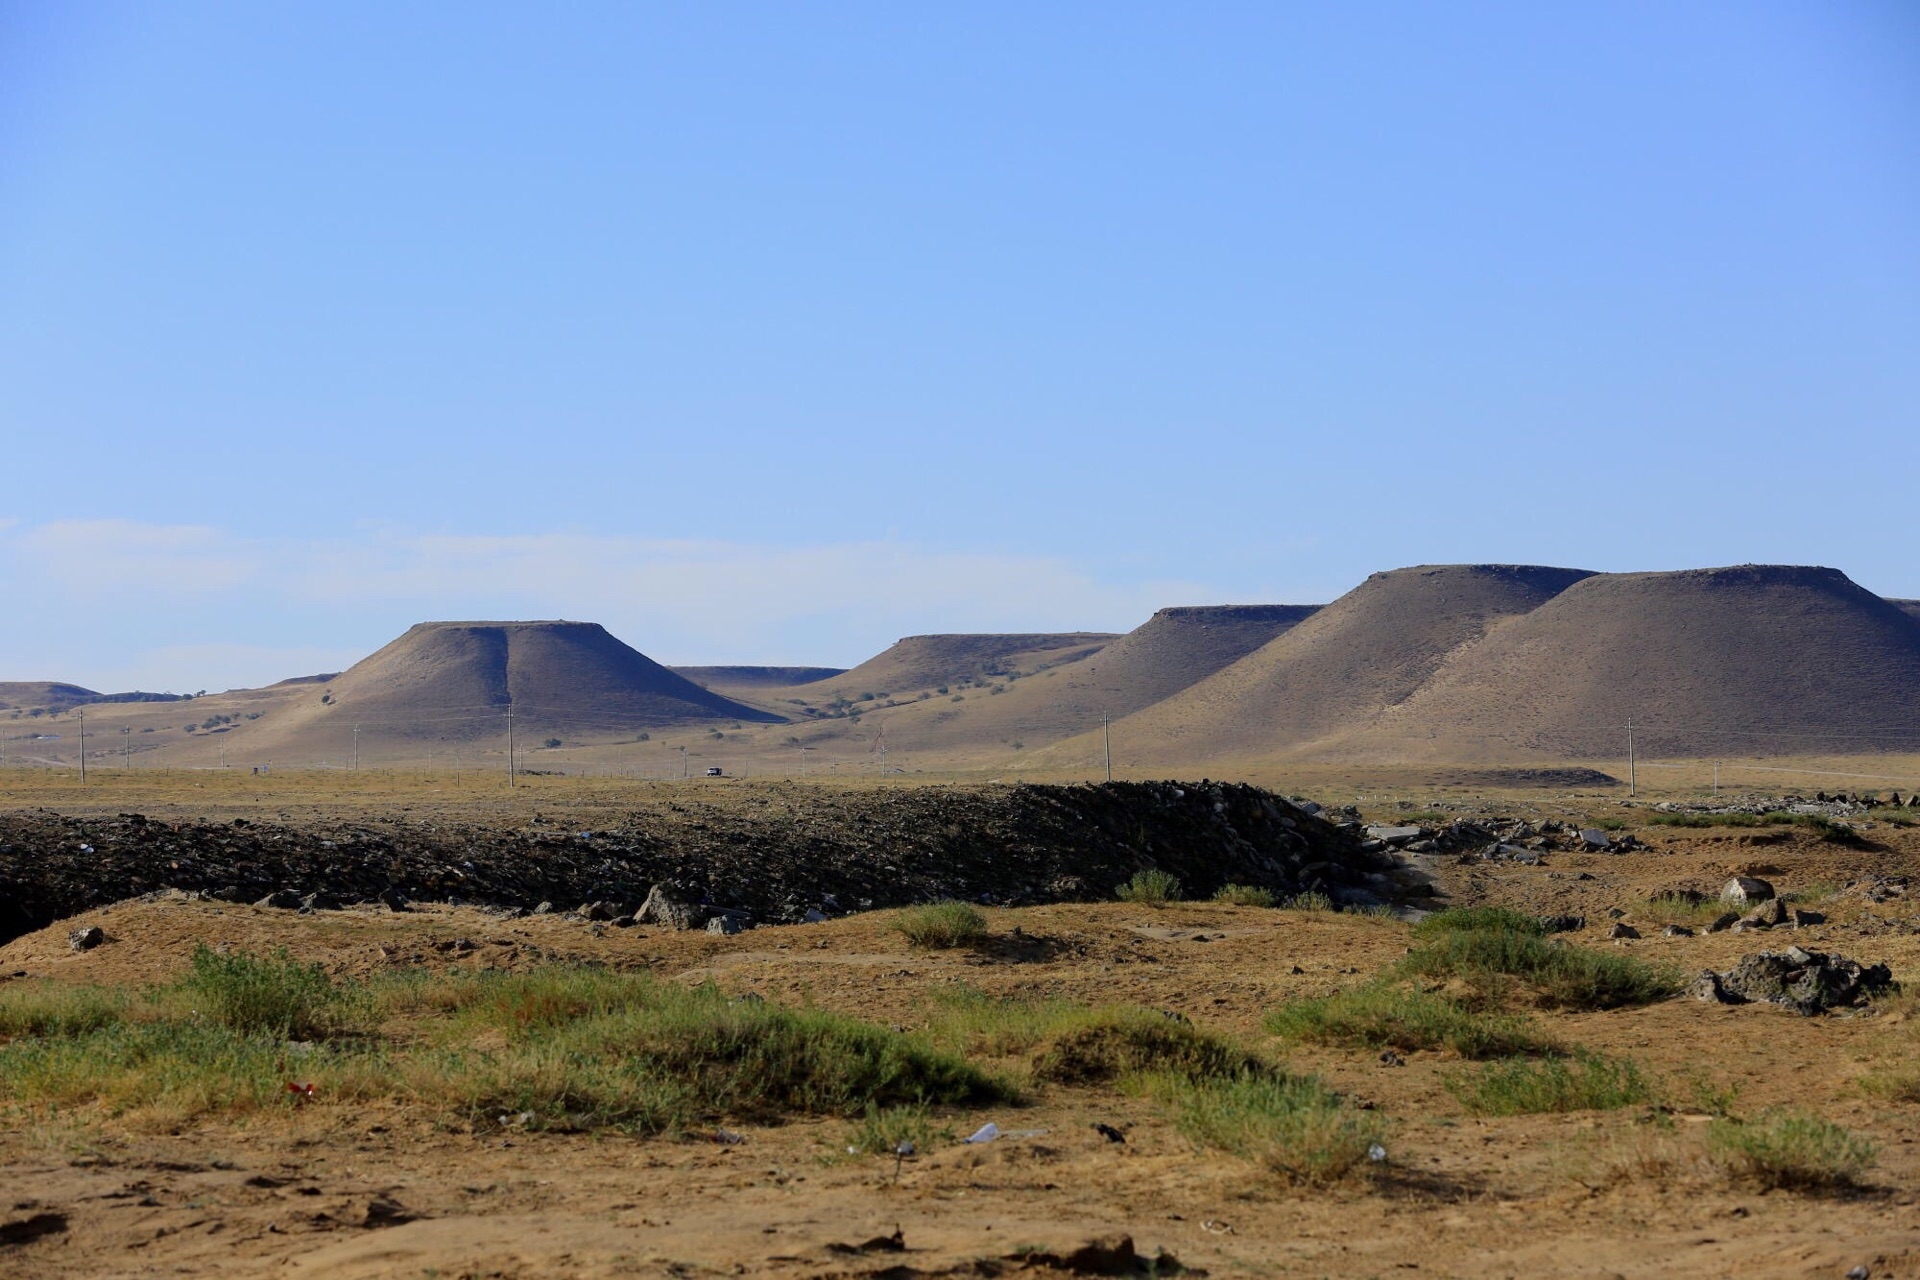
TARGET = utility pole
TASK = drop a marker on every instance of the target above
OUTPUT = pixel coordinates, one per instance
(510, 780)
(1106, 725)
(126, 750)
(83, 748)
(1632, 790)
(1716, 777)
(683, 764)
(356, 749)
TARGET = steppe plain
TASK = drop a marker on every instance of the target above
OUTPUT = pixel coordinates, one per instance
(367, 1185)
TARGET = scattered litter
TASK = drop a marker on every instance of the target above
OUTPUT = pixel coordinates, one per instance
(985, 1133)
(303, 1090)
(1110, 1133)
(1216, 1227)
(727, 1138)
(1377, 1153)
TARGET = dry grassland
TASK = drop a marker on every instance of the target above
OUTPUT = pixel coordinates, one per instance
(1665, 1123)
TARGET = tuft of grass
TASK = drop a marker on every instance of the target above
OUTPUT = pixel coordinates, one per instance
(47, 1008)
(1895, 1084)
(1586, 1082)
(1479, 920)
(966, 1020)
(1791, 1151)
(1312, 900)
(1102, 1045)
(1562, 976)
(882, 1130)
(1244, 895)
(1292, 1125)
(1150, 887)
(272, 995)
(1381, 1016)
(941, 925)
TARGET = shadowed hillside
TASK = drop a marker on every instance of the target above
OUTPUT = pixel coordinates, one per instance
(1908, 606)
(1369, 650)
(727, 679)
(1755, 659)
(918, 663)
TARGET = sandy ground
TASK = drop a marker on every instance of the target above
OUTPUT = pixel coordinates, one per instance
(329, 1190)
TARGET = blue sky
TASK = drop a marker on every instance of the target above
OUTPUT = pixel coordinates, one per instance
(773, 332)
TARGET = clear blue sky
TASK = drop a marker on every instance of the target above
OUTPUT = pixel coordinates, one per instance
(772, 332)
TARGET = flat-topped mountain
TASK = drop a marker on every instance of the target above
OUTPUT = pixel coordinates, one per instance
(1371, 649)
(1745, 660)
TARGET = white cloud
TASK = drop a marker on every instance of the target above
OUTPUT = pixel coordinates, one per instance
(686, 601)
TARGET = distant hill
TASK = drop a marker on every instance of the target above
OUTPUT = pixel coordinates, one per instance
(917, 663)
(1369, 650)
(723, 679)
(452, 681)
(1752, 659)
(51, 694)
(1908, 606)
(1165, 654)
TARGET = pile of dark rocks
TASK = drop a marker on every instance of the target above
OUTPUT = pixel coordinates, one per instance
(777, 855)
(1807, 982)
(1500, 839)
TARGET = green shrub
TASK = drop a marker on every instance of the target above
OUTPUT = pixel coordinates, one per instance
(1293, 1125)
(966, 1020)
(1312, 900)
(941, 925)
(1791, 1151)
(1586, 1082)
(1479, 920)
(574, 1047)
(272, 995)
(1379, 1016)
(1150, 887)
(1107, 1044)
(1244, 895)
(1562, 976)
(882, 1129)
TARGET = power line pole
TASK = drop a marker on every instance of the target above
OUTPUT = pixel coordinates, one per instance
(126, 750)
(1632, 790)
(683, 764)
(1106, 725)
(510, 779)
(356, 748)
(1716, 777)
(83, 748)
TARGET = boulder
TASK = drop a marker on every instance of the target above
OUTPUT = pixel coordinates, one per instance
(282, 899)
(665, 906)
(1677, 931)
(1725, 920)
(1595, 838)
(1395, 835)
(1621, 930)
(597, 911)
(727, 924)
(1768, 914)
(1805, 981)
(1746, 889)
(86, 939)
